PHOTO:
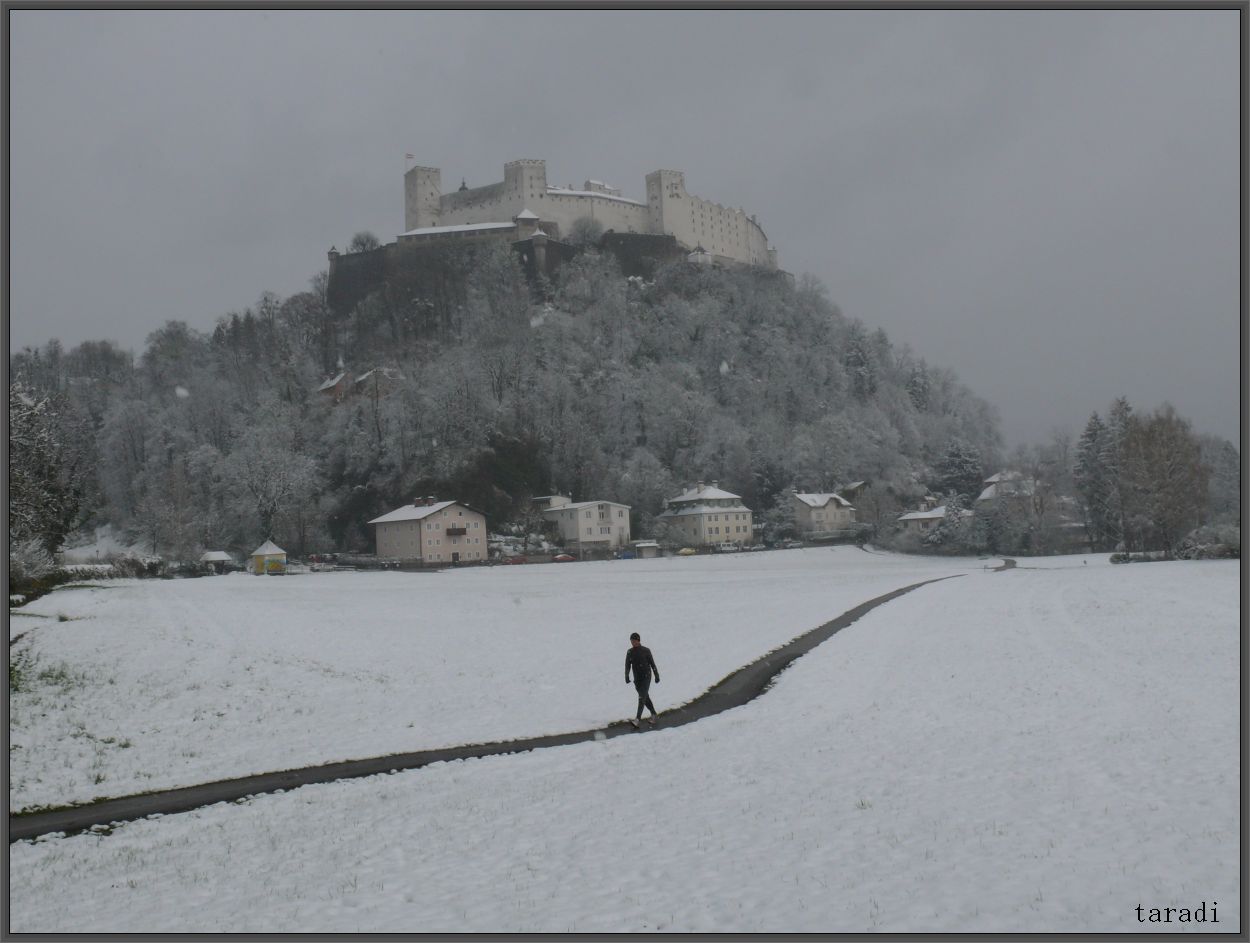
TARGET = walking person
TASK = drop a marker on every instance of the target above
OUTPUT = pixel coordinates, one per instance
(639, 660)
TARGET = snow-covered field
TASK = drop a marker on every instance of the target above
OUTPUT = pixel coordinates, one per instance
(160, 683)
(1034, 750)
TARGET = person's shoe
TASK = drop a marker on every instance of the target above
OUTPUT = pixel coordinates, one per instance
(634, 722)
(651, 720)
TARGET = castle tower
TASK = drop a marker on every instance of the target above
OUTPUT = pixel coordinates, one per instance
(664, 187)
(525, 181)
(423, 189)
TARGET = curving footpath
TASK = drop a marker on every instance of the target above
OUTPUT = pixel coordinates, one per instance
(735, 690)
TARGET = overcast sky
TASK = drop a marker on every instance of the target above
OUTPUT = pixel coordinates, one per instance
(1045, 201)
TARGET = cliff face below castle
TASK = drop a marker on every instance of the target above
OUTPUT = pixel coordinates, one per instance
(425, 269)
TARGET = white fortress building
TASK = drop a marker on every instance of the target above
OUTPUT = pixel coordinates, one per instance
(722, 232)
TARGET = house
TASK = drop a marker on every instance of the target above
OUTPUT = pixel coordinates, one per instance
(377, 382)
(1007, 484)
(646, 549)
(821, 514)
(268, 558)
(854, 490)
(432, 532)
(337, 386)
(216, 561)
(707, 515)
(587, 525)
(925, 519)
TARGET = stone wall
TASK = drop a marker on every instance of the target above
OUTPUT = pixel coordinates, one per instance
(726, 232)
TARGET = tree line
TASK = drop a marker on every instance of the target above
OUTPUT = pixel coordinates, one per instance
(594, 385)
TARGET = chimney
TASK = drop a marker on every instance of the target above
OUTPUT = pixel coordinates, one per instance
(698, 486)
(716, 484)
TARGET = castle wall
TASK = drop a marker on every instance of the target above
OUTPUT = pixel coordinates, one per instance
(565, 206)
(728, 234)
(725, 232)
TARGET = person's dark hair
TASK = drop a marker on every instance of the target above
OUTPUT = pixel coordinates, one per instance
(635, 635)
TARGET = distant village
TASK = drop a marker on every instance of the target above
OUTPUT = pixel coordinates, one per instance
(703, 519)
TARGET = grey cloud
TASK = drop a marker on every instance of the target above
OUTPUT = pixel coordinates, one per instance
(1046, 201)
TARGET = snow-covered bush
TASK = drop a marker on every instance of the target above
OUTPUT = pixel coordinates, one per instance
(131, 567)
(1212, 542)
(29, 560)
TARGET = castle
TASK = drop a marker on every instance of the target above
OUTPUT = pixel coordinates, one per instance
(536, 220)
(724, 233)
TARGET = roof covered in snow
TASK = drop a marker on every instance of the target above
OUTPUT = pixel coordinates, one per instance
(526, 213)
(565, 191)
(331, 383)
(267, 549)
(215, 556)
(936, 514)
(581, 504)
(704, 493)
(1009, 485)
(389, 373)
(690, 510)
(412, 512)
(467, 227)
(821, 500)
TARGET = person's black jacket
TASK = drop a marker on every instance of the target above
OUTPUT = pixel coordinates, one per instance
(640, 660)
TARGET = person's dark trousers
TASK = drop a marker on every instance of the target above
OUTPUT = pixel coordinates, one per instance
(642, 686)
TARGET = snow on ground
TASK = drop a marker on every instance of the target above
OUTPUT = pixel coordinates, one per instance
(151, 684)
(1032, 750)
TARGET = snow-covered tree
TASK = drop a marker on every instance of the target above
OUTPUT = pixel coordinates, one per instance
(1162, 479)
(959, 470)
(44, 494)
(1092, 479)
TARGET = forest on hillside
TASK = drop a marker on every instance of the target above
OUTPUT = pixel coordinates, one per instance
(596, 386)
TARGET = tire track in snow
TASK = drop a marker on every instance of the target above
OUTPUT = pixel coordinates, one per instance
(734, 690)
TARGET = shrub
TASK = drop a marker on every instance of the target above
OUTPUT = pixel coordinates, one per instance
(28, 561)
(135, 568)
(1212, 542)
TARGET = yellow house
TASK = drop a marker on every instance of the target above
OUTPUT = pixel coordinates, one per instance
(268, 558)
(707, 515)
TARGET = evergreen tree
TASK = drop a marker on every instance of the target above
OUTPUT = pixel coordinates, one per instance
(918, 386)
(860, 364)
(1093, 483)
(960, 471)
(1118, 507)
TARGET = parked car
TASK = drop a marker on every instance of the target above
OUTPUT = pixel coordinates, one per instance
(687, 552)
(626, 555)
(563, 558)
(727, 547)
(792, 545)
(515, 560)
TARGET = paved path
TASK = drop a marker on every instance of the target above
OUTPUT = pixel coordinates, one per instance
(733, 691)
